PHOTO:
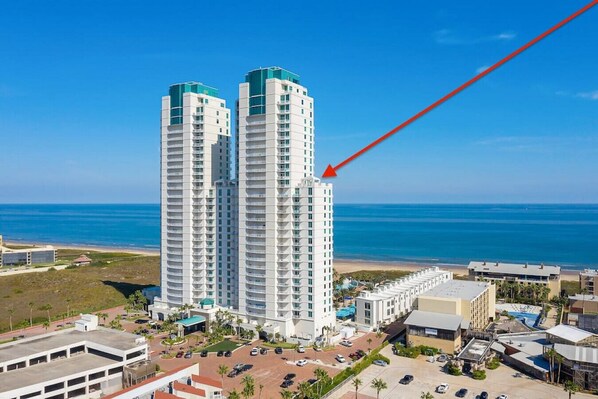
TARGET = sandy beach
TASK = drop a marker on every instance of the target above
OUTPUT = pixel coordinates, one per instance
(341, 265)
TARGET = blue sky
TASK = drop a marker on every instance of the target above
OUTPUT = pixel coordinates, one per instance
(81, 81)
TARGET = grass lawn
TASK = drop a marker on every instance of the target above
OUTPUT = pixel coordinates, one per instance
(570, 287)
(102, 285)
(226, 345)
(376, 276)
(283, 345)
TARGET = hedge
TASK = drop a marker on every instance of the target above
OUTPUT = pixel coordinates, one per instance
(479, 375)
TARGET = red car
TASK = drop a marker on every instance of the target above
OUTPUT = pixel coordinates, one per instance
(180, 354)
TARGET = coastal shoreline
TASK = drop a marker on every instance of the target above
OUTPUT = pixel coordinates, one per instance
(342, 266)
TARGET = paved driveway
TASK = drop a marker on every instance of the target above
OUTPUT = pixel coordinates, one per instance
(427, 376)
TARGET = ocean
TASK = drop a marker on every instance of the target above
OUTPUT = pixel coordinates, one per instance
(566, 235)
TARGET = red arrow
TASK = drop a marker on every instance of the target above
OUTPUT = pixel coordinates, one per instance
(331, 170)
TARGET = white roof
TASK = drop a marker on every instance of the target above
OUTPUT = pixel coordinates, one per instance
(584, 297)
(457, 289)
(395, 288)
(439, 321)
(578, 353)
(514, 268)
(569, 333)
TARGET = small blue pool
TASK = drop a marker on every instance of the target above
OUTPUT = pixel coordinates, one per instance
(345, 313)
(529, 319)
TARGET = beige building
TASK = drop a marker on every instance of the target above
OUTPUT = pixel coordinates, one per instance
(588, 280)
(549, 276)
(474, 301)
(438, 330)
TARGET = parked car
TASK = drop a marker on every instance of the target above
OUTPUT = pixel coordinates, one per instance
(484, 395)
(247, 367)
(204, 353)
(442, 388)
(220, 353)
(286, 383)
(301, 349)
(312, 381)
(502, 396)
(239, 366)
(254, 352)
(406, 379)
(278, 350)
(360, 352)
(228, 354)
(290, 376)
(430, 359)
(317, 348)
(301, 362)
(461, 393)
(233, 373)
(263, 351)
(442, 358)
(188, 355)
(379, 362)
(140, 321)
(180, 354)
(340, 358)
(347, 343)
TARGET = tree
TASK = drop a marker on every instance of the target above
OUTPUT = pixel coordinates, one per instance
(46, 325)
(68, 307)
(369, 341)
(378, 384)
(559, 359)
(248, 386)
(31, 305)
(322, 378)
(11, 311)
(239, 321)
(551, 353)
(261, 387)
(46, 308)
(426, 395)
(304, 389)
(356, 383)
(284, 394)
(571, 388)
(222, 371)
(234, 394)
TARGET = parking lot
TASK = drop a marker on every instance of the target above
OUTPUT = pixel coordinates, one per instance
(270, 369)
(427, 376)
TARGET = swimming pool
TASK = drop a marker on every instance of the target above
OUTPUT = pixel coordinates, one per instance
(529, 319)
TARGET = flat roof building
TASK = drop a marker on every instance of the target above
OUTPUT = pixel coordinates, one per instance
(588, 281)
(475, 301)
(549, 276)
(570, 335)
(438, 330)
(580, 364)
(26, 256)
(392, 300)
(79, 362)
(524, 352)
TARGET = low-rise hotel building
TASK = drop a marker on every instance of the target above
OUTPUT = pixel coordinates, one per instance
(549, 276)
(183, 382)
(588, 281)
(475, 301)
(438, 330)
(390, 301)
(82, 362)
(26, 256)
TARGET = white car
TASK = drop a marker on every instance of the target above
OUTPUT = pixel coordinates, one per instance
(503, 396)
(346, 343)
(340, 358)
(301, 349)
(254, 352)
(301, 362)
(442, 388)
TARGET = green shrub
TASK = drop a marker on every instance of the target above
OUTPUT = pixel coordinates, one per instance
(453, 370)
(428, 350)
(493, 364)
(479, 375)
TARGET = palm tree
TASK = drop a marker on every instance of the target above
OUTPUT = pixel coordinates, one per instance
(369, 345)
(304, 389)
(551, 353)
(259, 328)
(261, 387)
(284, 394)
(11, 311)
(378, 384)
(248, 386)
(571, 387)
(239, 321)
(46, 325)
(46, 308)
(31, 304)
(356, 383)
(559, 359)
(222, 371)
(322, 378)
(426, 395)
(234, 394)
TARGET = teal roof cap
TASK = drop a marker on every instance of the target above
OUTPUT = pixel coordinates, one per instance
(273, 72)
(191, 321)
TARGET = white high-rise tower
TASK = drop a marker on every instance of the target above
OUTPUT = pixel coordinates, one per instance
(285, 213)
(195, 155)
